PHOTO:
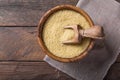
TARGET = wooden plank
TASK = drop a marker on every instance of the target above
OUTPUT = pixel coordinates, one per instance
(26, 12)
(114, 72)
(43, 71)
(30, 71)
(20, 43)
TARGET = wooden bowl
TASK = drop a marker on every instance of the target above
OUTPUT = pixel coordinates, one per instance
(40, 30)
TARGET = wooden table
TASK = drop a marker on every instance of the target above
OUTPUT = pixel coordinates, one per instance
(21, 57)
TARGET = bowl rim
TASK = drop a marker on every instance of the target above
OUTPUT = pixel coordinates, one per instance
(40, 31)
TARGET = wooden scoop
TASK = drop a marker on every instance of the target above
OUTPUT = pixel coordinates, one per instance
(95, 32)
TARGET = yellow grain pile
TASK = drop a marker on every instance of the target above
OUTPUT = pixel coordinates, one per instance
(54, 33)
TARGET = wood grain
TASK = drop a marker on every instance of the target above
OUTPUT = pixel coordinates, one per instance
(26, 12)
(18, 43)
(30, 71)
(42, 71)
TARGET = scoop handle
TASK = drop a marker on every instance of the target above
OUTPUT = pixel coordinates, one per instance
(95, 32)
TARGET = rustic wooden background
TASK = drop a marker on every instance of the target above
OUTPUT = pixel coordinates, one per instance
(21, 57)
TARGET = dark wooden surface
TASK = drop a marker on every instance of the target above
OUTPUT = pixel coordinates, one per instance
(26, 12)
(21, 57)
